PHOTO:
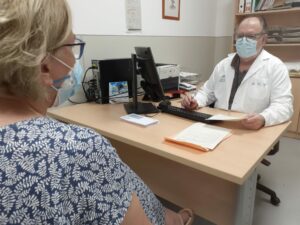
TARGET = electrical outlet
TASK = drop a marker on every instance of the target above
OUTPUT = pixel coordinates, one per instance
(95, 65)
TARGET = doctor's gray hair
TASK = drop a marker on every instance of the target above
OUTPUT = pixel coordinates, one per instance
(29, 29)
(263, 23)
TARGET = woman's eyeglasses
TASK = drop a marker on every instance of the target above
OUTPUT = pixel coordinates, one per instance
(77, 48)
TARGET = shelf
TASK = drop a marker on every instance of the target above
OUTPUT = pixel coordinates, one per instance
(282, 45)
(276, 11)
(295, 76)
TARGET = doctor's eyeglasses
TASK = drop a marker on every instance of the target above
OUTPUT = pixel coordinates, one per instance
(249, 36)
(77, 48)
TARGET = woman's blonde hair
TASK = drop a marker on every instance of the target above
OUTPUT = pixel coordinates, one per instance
(29, 29)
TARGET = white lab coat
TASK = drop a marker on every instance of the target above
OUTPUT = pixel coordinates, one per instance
(265, 89)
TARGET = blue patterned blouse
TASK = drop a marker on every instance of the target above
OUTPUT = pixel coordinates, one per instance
(55, 173)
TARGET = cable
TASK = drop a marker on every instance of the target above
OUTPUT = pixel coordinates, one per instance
(91, 91)
(69, 99)
(83, 80)
(92, 86)
(83, 87)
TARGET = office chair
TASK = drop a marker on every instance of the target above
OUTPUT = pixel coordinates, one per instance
(273, 197)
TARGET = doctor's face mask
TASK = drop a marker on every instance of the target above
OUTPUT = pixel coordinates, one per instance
(245, 47)
(248, 44)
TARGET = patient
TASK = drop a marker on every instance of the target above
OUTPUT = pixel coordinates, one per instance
(51, 172)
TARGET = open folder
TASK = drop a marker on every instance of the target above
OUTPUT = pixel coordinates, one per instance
(200, 136)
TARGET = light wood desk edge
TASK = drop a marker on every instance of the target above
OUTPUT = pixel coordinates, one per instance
(64, 114)
(225, 198)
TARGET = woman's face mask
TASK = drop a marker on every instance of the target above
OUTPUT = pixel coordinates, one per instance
(77, 73)
(246, 47)
(67, 86)
(65, 89)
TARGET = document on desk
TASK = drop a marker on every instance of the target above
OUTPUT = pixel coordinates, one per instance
(201, 136)
(222, 117)
(139, 119)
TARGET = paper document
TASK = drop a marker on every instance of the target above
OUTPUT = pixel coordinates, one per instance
(139, 119)
(201, 136)
(133, 14)
(187, 74)
(226, 118)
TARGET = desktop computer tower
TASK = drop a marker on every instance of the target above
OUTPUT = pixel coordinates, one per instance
(110, 71)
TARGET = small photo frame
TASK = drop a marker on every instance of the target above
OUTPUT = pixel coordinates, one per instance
(171, 9)
(118, 92)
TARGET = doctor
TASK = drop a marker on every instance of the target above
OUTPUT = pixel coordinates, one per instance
(251, 81)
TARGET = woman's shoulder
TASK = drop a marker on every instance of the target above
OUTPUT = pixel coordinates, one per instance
(74, 132)
(41, 128)
(65, 127)
(58, 125)
(45, 136)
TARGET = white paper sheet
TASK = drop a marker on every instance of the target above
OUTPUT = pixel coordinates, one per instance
(203, 135)
(222, 117)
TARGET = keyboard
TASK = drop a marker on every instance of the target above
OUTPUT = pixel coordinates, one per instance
(188, 114)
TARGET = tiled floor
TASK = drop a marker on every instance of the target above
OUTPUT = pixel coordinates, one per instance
(283, 176)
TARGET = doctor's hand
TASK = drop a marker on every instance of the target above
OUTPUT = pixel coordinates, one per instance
(189, 102)
(253, 121)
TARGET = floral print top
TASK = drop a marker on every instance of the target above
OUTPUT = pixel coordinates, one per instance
(56, 173)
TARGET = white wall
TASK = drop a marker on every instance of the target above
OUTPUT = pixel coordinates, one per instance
(224, 18)
(197, 18)
(197, 42)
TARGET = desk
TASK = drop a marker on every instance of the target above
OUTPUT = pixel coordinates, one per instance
(219, 185)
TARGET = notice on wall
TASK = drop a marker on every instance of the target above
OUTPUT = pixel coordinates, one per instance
(133, 15)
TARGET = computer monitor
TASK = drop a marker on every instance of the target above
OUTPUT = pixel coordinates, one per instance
(144, 64)
(151, 83)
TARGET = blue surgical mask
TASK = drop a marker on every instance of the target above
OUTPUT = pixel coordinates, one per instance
(64, 91)
(65, 86)
(77, 73)
(246, 47)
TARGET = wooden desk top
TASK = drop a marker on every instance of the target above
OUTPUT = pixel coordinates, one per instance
(233, 160)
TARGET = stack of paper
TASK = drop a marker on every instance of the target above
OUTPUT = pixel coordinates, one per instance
(139, 119)
(201, 136)
(191, 78)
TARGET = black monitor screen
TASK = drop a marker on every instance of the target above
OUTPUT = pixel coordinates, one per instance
(151, 83)
(143, 63)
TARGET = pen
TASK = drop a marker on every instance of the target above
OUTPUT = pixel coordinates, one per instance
(192, 98)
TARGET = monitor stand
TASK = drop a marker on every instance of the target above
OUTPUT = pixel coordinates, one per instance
(135, 106)
(140, 108)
